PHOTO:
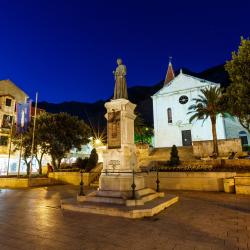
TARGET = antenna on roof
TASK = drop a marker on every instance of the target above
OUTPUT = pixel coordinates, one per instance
(170, 59)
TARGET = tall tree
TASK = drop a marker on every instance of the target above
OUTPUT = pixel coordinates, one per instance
(64, 132)
(208, 105)
(22, 143)
(56, 135)
(41, 145)
(238, 93)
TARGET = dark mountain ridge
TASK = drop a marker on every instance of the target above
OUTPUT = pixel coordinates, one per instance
(93, 113)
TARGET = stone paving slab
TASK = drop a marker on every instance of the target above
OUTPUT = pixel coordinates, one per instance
(32, 219)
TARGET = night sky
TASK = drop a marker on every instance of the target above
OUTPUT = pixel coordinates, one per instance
(67, 49)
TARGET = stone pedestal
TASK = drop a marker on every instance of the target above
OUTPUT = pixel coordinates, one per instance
(120, 182)
(120, 170)
(119, 160)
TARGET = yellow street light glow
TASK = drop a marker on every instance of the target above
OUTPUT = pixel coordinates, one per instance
(98, 141)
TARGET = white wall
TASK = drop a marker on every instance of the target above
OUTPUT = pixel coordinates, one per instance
(233, 127)
(168, 134)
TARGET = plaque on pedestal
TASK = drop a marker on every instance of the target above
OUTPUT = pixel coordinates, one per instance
(114, 129)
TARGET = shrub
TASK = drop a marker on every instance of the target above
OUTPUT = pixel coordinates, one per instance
(82, 163)
(174, 157)
(92, 161)
(246, 148)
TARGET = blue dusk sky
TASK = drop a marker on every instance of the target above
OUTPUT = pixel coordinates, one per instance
(67, 49)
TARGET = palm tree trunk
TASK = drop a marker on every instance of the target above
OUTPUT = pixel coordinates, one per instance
(215, 143)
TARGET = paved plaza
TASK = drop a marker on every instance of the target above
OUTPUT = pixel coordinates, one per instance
(32, 219)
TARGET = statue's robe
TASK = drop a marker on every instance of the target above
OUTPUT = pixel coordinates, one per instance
(120, 83)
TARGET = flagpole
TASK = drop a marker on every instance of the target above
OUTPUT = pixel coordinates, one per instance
(10, 141)
(33, 137)
(20, 155)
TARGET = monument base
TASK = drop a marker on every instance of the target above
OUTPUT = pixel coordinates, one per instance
(133, 212)
(122, 197)
(120, 182)
(115, 197)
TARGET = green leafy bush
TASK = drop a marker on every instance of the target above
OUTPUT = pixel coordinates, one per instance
(246, 148)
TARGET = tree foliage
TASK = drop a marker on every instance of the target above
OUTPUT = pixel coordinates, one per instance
(209, 104)
(238, 93)
(23, 141)
(64, 132)
(55, 134)
(143, 133)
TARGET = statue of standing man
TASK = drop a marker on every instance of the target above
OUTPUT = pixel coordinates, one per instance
(120, 81)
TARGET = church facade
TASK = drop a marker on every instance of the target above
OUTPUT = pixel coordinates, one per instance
(171, 121)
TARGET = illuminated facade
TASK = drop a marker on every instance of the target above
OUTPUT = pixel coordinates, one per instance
(171, 121)
(10, 95)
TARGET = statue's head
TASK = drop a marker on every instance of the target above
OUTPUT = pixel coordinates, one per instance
(119, 61)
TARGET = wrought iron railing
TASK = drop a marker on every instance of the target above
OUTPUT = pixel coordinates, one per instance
(132, 172)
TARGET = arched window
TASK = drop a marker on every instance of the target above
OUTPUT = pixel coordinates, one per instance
(169, 115)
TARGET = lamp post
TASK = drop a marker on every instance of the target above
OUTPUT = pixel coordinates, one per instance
(133, 186)
(157, 181)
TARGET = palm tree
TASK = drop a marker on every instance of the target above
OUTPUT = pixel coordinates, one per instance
(208, 105)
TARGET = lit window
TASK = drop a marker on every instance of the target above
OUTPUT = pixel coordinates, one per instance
(170, 115)
(7, 121)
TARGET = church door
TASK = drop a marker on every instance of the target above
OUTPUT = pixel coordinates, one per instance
(186, 138)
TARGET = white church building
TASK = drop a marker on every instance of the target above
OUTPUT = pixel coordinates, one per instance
(171, 121)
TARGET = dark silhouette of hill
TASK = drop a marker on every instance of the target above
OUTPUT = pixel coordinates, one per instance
(93, 113)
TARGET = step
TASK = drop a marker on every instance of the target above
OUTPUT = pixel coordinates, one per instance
(94, 185)
(242, 189)
(149, 197)
(147, 210)
(109, 193)
(144, 191)
(99, 199)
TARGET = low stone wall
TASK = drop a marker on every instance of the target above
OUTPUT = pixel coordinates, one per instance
(38, 182)
(200, 163)
(235, 163)
(199, 181)
(205, 148)
(14, 182)
(148, 156)
(72, 178)
(242, 183)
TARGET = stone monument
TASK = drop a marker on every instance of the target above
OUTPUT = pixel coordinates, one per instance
(121, 184)
(120, 157)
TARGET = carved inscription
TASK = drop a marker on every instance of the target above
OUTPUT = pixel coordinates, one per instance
(113, 164)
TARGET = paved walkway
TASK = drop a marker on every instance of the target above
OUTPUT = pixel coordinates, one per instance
(32, 219)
